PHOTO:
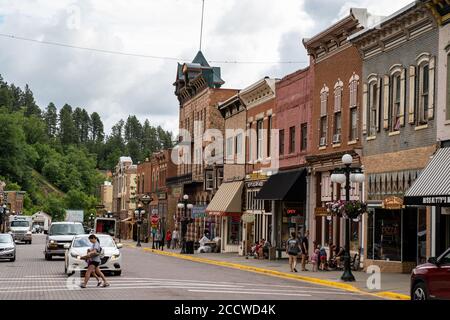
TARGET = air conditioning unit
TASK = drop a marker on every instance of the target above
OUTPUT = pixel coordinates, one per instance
(323, 141)
(336, 138)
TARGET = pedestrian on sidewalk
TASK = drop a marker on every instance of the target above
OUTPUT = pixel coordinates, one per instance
(158, 240)
(168, 238)
(293, 249)
(175, 238)
(304, 247)
(315, 258)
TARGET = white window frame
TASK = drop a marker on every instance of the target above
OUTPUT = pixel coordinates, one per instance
(395, 101)
(424, 96)
(354, 87)
(373, 105)
(230, 146)
(209, 180)
(259, 138)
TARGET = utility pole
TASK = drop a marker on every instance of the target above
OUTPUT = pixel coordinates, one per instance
(201, 27)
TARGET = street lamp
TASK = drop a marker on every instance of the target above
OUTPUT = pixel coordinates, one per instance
(91, 220)
(138, 213)
(185, 220)
(346, 176)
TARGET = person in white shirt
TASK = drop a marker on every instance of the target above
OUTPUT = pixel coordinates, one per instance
(175, 238)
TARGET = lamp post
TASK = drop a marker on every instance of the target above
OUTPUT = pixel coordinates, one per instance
(145, 200)
(185, 220)
(346, 176)
(91, 221)
(3, 214)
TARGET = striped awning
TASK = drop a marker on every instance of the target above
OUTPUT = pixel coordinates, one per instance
(227, 200)
(432, 187)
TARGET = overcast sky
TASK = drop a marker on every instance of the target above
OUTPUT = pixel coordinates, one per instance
(116, 86)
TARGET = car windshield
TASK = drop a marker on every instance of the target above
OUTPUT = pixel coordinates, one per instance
(66, 229)
(83, 242)
(20, 224)
(5, 238)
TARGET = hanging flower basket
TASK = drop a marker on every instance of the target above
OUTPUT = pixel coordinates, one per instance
(350, 209)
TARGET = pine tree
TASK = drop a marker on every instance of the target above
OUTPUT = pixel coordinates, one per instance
(67, 129)
(28, 102)
(97, 130)
(51, 120)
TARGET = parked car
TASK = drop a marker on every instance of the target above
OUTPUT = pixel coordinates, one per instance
(432, 279)
(7, 247)
(61, 233)
(111, 261)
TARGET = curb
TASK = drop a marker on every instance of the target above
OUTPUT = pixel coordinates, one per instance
(279, 274)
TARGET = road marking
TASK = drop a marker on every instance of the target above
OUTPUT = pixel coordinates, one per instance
(253, 293)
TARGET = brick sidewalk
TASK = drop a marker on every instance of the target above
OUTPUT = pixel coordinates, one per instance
(390, 282)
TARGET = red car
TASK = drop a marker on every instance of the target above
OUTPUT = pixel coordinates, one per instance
(432, 280)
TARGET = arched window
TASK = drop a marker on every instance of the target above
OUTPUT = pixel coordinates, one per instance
(323, 122)
(394, 108)
(338, 89)
(425, 88)
(373, 105)
(353, 85)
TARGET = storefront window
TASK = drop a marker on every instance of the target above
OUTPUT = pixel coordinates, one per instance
(234, 231)
(387, 241)
(354, 242)
(370, 233)
(422, 236)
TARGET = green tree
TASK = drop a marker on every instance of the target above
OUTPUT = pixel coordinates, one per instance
(67, 129)
(97, 130)
(51, 120)
(28, 102)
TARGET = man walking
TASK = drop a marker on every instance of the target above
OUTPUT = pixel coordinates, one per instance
(304, 247)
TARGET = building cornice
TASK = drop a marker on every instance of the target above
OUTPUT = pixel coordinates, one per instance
(258, 93)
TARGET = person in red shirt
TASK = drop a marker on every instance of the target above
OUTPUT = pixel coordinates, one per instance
(168, 238)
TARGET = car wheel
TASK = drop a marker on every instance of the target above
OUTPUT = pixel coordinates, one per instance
(420, 292)
(48, 257)
(13, 259)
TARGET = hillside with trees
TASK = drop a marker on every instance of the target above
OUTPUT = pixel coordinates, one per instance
(57, 155)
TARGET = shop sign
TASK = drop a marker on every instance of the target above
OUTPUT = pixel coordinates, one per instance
(255, 184)
(199, 212)
(294, 211)
(248, 217)
(321, 212)
(393, 203)
(436, 200)
(162, 196)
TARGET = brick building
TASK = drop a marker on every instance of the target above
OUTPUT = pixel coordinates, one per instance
(200, 150)
(336, 125)
(288, 189)
(399, 133)
(106, 196)
(124, 195)
(261, 160)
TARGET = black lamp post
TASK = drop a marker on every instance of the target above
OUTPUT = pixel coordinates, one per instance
(145, 200)
(185, 220)
(346, 176)
(91, 221)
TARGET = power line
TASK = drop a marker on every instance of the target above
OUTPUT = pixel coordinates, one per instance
(137, 55)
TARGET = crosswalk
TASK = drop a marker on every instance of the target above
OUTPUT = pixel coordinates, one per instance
(36, 284)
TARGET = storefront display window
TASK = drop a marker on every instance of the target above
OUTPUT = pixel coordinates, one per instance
(234, 231)
(388, 232)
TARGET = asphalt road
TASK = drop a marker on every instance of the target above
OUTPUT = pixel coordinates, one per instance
(152, 277)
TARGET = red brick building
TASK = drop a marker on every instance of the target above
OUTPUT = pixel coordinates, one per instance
(336, 125)
(199, 156)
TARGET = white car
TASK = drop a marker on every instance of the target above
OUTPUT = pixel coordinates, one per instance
(111, 261)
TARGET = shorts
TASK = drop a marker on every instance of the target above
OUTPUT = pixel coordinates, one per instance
(323, 258)
(94, 263)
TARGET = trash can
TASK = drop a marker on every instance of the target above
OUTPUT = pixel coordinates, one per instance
(190, 247)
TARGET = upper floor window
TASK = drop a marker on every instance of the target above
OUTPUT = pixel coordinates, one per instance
(323, 131)
(291, 139)
(281, 144)
(239, 144)
(353, 124)
(338, 88)
(373, 106)
(259, 139)
(337, 127)
(229, 145)
(304, 133)
(424, 92)
(209, 180)
(395, 104)
(219, 178)
(353, 85)
(324, 100)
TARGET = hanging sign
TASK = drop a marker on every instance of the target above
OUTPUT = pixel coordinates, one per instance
(321, 212)
(393, 203)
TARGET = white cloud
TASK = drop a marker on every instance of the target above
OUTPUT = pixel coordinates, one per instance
(116, 86)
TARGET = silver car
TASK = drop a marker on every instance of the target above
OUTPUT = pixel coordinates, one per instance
(7, 247)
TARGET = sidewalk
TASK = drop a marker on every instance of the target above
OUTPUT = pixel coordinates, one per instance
(393, 285)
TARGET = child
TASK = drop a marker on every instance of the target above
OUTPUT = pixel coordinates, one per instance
(315, 259)
(323, 258)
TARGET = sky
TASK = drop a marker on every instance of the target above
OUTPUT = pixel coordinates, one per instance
(116, 86)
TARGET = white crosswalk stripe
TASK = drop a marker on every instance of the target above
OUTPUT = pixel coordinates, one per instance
(63, 283)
